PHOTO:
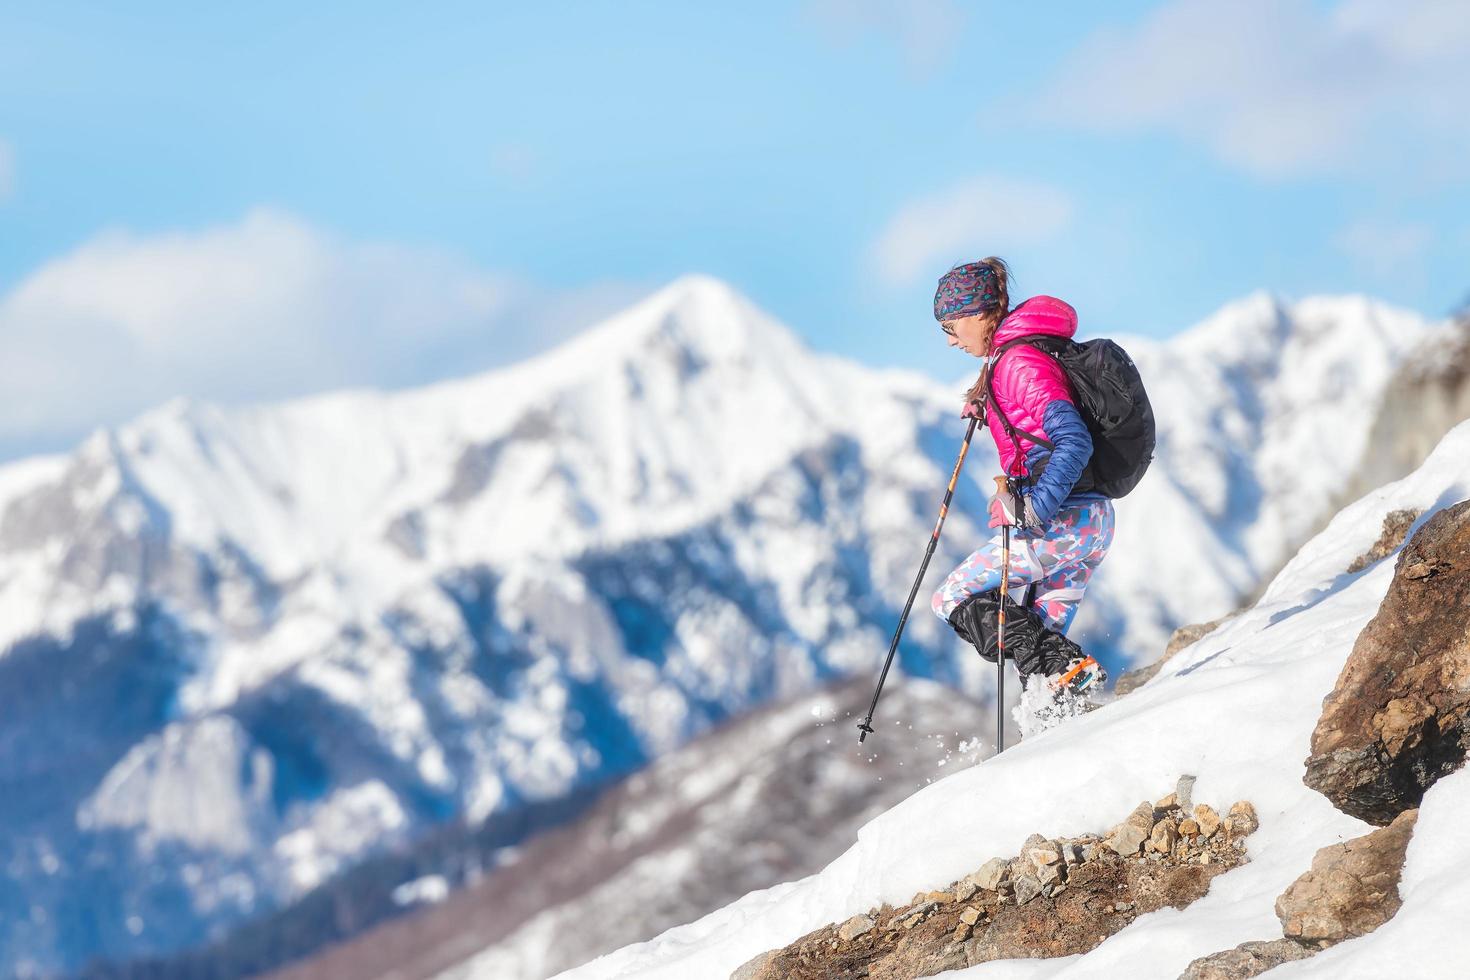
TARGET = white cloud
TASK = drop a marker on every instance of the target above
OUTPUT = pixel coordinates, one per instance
(265, 308)
(927, 31)
(987, 215)
(7, 171)
(1385, 248)
(1281, 87)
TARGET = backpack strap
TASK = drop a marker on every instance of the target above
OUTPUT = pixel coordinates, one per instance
(1012, 430)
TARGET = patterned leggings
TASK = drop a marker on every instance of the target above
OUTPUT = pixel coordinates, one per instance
(1060, 559)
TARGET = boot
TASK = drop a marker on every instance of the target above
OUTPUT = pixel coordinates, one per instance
(1034, 647)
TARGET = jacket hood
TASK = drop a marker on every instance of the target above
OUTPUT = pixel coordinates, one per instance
(1038, 315)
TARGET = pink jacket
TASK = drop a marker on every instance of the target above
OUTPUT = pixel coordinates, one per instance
(1031, 389)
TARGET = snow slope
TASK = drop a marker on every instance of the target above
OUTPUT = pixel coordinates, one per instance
(240, 650)
(1236, 709)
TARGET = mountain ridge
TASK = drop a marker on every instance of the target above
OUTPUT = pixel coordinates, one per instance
(387, 610)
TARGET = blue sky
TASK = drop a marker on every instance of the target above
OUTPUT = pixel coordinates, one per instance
(256, 201)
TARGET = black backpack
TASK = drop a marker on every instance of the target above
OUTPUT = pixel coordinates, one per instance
(1111, 400)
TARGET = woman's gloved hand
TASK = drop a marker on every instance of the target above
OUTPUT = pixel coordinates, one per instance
(1004, 505)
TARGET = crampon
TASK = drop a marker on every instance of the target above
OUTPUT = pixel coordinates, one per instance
(1047, 702)
(1081, 675)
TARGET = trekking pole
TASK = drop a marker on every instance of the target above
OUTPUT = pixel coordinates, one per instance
(866, 727)
(1000, 630)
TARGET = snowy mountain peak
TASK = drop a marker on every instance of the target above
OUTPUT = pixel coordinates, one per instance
(692, 323)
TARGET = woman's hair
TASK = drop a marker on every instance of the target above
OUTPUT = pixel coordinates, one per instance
(1002, 284)
(980, 389)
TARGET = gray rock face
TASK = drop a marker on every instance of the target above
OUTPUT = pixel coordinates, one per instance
(1246, 960)
(1399, 717)
(1027, 888)
(1351, 889)
(1184, 792)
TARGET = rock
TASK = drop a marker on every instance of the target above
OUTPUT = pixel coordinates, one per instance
(991, 874)
(1395, 528)
(1069, 914)
(1351, 889)
(915, 915)
(1027, 888)
(1089, 852)
(1046, 862)
(965, 889)
(1188, 826)
(941, 897)
(1126, 838)
(1165, 835)
(1184, 792)
(1050, 874)
(1398, 718)
(1207, 818)
(752, 968)
(1170, 802)
(1243, 819)
(1246, 960)
(854, 927)
(1072, 853)
(1032, 842)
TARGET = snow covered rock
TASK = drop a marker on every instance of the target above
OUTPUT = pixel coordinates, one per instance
(1399, 716)
(1051, 908)
(1246, 960)
(1351, 889)
(1396, 527)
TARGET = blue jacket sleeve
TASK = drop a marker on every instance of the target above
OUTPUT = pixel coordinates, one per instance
(1064, 426)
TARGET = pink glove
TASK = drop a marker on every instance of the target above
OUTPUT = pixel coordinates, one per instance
(971, 410)
(1003, 508)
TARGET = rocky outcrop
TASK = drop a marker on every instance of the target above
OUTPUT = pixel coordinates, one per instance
(1246, 960)
(1428, 395)
(1399, 717)
(1182, 637)
(1396, 527)
(1056, 898)
(1351, 889)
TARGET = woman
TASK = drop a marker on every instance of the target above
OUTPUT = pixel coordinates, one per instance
(1060, 535)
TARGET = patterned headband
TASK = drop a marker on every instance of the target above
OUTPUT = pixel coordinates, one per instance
(966, 290)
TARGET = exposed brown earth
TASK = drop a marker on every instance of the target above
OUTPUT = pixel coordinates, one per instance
(1056, 898)
(1399, 717)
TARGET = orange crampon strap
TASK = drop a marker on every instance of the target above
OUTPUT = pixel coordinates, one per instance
(1071, 675)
